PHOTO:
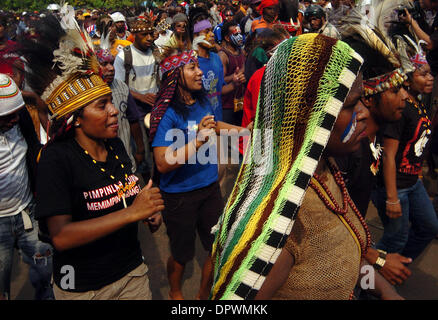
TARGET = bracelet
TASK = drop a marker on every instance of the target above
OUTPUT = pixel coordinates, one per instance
(379, 263)
(382, 254)
(389, 202)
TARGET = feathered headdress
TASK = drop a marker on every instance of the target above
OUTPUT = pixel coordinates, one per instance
(383, 67)
(70, 67)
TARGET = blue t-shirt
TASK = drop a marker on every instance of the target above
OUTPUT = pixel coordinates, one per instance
(201, 169)
(213, 81)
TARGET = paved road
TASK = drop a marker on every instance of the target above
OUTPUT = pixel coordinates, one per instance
(423, 284)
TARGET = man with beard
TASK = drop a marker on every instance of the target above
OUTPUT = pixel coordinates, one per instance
(317, 20)
(119, 20)
(108, 32)
(19, 148)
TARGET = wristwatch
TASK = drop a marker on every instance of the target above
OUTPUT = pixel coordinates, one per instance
(380, 262)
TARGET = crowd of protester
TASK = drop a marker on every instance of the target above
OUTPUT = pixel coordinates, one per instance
(84, 145)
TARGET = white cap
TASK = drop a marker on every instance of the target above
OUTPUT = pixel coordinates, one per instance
(117, 17)
(11, 99)
(53, 7)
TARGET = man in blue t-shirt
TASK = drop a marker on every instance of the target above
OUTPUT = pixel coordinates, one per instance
(212, 68)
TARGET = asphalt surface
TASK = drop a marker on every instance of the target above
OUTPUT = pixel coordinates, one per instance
(423, 284)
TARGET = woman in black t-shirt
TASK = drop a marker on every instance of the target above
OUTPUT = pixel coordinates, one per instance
(403, 199)
(88, 200)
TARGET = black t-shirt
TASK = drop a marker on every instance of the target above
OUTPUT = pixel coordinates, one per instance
(69, 183)
(413, 131)
(359, 170)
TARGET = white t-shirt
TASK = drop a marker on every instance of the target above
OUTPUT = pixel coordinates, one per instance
(15, 194)
(145, 67)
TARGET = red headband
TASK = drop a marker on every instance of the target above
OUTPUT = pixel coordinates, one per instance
(178, 60)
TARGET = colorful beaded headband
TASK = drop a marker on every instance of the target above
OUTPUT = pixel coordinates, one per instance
(74, 93)
(104, 55)
(142, 25)
(384, 82)
(178, 60)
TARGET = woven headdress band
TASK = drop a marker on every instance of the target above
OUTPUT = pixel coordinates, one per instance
(302, 92)
(75, 92)
(177, 60)
(384, 82)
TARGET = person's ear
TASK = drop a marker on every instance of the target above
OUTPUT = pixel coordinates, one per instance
(369, 101)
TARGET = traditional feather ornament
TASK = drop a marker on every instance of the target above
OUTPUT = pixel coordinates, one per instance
(383, 67)
(75, 44)
(63, 66)
(105, 43)
(402, 47)
(357, 26)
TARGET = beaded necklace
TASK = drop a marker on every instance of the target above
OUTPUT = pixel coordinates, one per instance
(121, 192)
(333, 206)
(421, 109)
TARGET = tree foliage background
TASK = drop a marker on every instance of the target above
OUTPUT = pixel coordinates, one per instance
(42, 4)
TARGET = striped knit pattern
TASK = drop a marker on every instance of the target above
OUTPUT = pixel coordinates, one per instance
(120, 93)
(303, 89)
(164, 97)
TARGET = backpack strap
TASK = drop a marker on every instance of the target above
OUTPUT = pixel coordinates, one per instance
(128, 64)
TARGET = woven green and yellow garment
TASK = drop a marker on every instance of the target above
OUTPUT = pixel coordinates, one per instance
(303, 89)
